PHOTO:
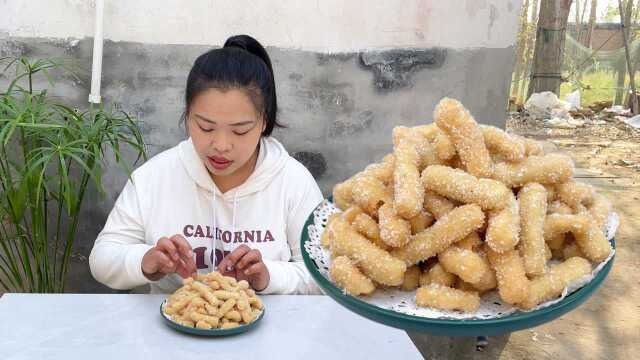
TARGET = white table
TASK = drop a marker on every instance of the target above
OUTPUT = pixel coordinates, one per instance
(92, 327)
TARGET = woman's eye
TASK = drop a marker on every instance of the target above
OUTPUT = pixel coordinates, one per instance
(205, 130)
(241, 133)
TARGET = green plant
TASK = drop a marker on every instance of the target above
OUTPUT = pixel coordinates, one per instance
(49, 153)
(595, 86)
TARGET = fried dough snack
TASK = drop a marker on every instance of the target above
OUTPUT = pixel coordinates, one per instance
(459, 209)
(547, 169)
(532, 200)
(437, 275)
(394, 230)
(461, 186)
(498, 142)
(437, 205)
(408, 191)
(452, 118)
(589, 238)
(503, 229)
(450, 228)
(349, 277)
(513, 284)
(551, 284)
(213, 301)
(369, 193)
(374, 262)
(446, 298)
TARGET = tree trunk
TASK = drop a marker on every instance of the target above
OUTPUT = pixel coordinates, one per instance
(632, 36)
(585, 38)
(582, 30)
(550, 38)
(577, 28)
(621, 70)
(636, 65)
(528, 55)
(626, 10)
(522, 43)
(592, 22)
(626, 22)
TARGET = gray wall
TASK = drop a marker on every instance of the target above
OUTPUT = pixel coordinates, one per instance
(339, 108)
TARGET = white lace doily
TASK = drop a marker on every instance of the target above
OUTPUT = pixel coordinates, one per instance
(491, 306)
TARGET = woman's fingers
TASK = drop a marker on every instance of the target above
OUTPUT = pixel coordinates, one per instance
(156, 261)
(174, 254)
(185, 252)
(254, 269)
(181, 244)
(251, 257)
(229, 262)
(183, 270)
(240, 275)
(179, 249)
(168, 247)
(165, 264)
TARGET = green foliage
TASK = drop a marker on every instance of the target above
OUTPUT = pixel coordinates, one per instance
(595, 86)
(49, 154)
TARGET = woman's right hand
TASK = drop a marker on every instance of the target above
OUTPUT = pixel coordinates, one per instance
(170, 255)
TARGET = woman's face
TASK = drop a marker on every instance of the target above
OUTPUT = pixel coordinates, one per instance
(225, 129)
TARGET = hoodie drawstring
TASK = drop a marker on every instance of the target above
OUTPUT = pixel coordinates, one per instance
(214, 241)
(233, 216)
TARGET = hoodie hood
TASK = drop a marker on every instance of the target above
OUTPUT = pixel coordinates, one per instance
(272, 157)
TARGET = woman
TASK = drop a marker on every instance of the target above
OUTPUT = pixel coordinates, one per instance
(228, 197)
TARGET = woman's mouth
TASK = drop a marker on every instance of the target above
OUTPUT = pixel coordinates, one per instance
(219, 163)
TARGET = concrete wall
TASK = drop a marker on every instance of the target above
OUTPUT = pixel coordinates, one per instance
(326, 26)
(347, 72)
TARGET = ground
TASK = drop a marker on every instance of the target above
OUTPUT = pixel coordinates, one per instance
(606, 326)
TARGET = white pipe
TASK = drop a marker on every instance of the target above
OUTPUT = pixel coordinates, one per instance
(96, 67)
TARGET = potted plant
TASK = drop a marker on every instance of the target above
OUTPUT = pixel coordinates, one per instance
(49, 155)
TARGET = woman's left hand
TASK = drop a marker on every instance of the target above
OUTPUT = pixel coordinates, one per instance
(245, 263)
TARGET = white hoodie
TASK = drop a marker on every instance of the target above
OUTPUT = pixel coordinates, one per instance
(173, 194)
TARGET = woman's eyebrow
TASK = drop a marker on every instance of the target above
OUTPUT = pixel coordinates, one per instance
(241, 123)
(204, 118)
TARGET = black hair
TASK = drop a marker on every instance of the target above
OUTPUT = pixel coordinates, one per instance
(244, 64)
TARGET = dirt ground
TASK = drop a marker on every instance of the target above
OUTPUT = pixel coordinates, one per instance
(607, 326)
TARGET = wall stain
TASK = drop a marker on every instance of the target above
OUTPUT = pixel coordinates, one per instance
(393, 69)
(352, 125)
(313, 161)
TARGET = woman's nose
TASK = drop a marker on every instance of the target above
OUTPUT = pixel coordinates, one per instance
(222, 142)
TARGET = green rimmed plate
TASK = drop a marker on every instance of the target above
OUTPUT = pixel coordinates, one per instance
(211, 332)
(451, 327)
